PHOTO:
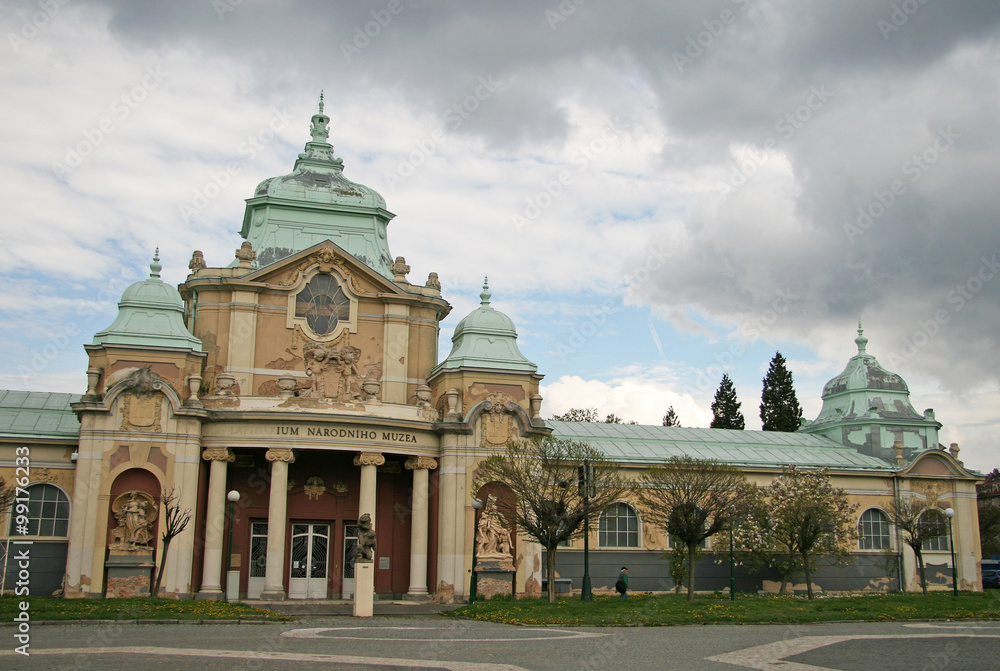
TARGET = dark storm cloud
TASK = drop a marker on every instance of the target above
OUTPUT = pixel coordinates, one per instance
(854, 97)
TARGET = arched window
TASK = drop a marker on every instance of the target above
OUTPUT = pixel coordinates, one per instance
(874, 528)
(618, 527)
(47, 512)
(938, 543)
(323, 304)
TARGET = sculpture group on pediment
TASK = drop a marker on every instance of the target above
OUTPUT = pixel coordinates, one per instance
(334, 372)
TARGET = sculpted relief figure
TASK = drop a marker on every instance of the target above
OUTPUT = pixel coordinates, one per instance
(135, 512)
(494, 536)
(366, 540)
(334, 371)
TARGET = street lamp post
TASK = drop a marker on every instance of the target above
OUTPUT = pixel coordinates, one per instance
(949, 513)
(586, 485)
(233, 496)
(477, 505)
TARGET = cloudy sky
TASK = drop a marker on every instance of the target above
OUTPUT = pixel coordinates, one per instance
(659, 192)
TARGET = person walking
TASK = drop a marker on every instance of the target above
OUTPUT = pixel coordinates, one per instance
(622, 585)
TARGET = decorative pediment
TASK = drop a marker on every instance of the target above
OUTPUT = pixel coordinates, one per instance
(936, 463)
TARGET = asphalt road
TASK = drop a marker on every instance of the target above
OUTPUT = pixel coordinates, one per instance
(433, 642)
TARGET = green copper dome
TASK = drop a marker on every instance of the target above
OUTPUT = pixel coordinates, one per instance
(150, 313)
(486, 338)
(315, 203)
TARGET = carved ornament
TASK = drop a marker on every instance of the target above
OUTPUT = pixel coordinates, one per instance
(314, 488)
(414, 463)
(284, 454)
(497, 422)
(369, 459)
(218, 454)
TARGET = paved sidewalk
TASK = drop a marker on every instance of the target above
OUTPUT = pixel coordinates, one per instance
(327, 607)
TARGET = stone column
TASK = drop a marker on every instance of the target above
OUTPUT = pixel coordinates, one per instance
(274, 567)
(215, 521)
(369, 462)
(421, 467)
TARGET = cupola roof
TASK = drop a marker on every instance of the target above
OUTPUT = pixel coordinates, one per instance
(486, 338)
(150, 313)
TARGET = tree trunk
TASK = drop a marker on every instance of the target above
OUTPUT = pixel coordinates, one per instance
(691, 550)
(923, 572)
(551, 572)
(805, 567)
(159, 571)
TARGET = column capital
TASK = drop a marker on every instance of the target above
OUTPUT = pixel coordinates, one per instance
(369, 459)
(280, 454)
(414, 463)
(218, 454)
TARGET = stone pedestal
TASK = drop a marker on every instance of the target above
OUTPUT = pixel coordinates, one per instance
(130, 573)
(494, 576)
(364, 589)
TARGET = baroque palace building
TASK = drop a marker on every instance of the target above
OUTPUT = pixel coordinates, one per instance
(304, 379)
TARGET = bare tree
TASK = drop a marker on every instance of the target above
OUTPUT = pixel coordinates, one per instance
(547, 504)
(175, 521)
(691, 499)
(918, 523)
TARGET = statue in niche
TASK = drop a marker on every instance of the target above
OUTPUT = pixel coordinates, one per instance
(494, 537)
(366, 540)
(135, 512)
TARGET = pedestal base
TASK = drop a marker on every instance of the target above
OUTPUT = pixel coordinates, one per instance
(364, 589)
(129, 573)
(490, 581)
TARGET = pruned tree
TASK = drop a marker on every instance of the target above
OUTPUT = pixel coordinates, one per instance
(547, 504)
(917, 523)
(691, 499)
(801, 516)
(175, 521)
(726, 412)
(671, 418)
(578, 415)
(779, 407)
(680, 563)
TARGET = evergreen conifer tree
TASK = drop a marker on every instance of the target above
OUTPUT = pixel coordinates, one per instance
(779, 407)
(671, 418)
(726, 408)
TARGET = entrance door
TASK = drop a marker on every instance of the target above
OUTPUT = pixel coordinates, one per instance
(258, 559)
(350, 550)
(310, 554)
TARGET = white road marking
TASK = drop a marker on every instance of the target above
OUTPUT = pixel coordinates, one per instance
(770, 657)
(316, 632)
(953, 626)
(279, 656)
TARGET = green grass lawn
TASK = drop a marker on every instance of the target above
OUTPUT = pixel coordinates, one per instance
(649, 609)
(140, 608)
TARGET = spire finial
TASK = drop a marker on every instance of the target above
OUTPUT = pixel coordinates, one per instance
(485, 296)
(861, 340)
(321, 101)
(320, 126)
(155, 267)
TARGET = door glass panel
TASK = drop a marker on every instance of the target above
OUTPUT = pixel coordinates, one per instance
(300, 554)
(258, 549)
(318, 568)
(350, 549)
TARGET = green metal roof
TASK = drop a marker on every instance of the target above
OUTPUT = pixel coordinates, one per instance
(642, 444)
(314, 203)
(486, 338)
(150, 314)
(38, 414)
